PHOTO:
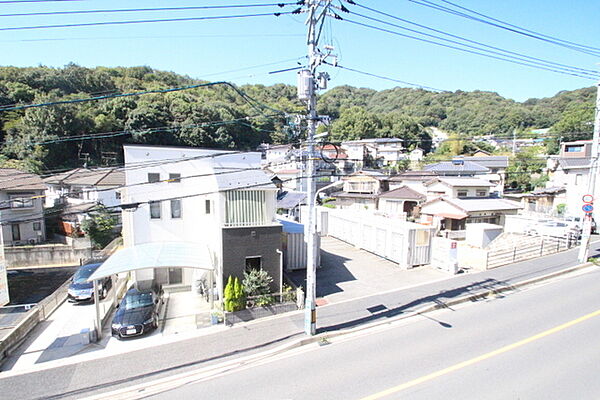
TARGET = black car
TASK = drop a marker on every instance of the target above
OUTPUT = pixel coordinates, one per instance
(137, 313)
(81, 290)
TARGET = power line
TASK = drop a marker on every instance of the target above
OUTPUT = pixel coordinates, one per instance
(125, 10)
(144, 21)
(33, 1)
(387, 78)
(521, 31)
(154, 37)
(466, 50)
(594, 72)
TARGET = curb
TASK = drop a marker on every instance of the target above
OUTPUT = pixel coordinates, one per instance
(161, 385)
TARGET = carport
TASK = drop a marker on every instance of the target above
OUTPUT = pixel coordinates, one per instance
(154, 255)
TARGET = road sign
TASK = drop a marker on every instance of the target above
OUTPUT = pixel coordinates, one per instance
(588, 198)
(587, 208)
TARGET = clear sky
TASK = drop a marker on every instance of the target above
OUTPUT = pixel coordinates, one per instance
(246, 50)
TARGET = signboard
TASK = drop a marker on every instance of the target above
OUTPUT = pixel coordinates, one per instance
(587, 208)
(587, 198)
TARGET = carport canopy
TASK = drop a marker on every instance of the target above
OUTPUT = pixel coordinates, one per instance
(155, 255)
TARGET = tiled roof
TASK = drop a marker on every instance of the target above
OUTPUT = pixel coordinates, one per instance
(15, 180)
(106, 177)
(413, 176)
(403, 192)
(567, 162)
(290, 199)
(466, 181)
(490, 161)
(486, 204)
(451, 167)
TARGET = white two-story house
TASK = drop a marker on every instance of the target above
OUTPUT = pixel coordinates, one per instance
(218, 200)
(21, 207)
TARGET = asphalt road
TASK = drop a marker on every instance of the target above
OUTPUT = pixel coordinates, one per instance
(113, 372)
(537, 343)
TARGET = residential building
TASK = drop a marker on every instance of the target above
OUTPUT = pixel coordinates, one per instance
(218, 200)
(402, 202)
(457, 167)
(452, 214)
(22, 198)
(361, 190)
(497, 166)
(541, 202)
(457, 188)
(377, 152)
(571, 170)
(415, 180)
(84, 185)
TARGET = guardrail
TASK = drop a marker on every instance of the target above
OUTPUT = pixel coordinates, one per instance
(548, 245)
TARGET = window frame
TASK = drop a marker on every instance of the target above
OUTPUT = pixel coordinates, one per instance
(176, 201)
(155, 206)
(174, 178)
(153, 177)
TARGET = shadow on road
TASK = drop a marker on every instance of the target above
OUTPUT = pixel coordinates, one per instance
(379, 311)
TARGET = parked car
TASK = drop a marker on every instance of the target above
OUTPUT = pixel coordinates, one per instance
(138, 312)
(81, 290)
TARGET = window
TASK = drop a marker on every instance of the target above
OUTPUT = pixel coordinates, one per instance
(253, 263)
(16, 232)
(245, 208)
(207, 206)
(153, 177)
(21, 201)
(578, 178)
(155, 210)
(461, 193)
(174, 178)
(118, 195)
(37, 226)
(481, 193)
(176, 208)
(578, 148)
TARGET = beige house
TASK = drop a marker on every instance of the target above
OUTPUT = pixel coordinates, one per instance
(22, 199)
(402, 202)
(361, 190)
(458, 188)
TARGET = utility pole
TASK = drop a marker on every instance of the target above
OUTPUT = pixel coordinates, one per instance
(592, 182)
(308, 83)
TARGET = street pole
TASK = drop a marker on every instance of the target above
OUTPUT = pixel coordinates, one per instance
(592, 184)
(307, 86)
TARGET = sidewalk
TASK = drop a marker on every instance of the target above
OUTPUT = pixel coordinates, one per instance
(90, 375)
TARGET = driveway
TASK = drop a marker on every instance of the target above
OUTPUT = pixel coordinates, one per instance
(347, 273)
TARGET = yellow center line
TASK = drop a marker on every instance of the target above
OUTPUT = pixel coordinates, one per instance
(482, 357)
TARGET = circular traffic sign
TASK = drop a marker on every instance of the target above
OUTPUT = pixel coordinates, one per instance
(588, 198)
(587, 208)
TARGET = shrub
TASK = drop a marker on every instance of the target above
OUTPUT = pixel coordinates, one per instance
(257, 286)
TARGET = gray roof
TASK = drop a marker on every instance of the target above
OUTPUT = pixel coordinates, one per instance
(465, 181)
(403, 192)
(13, 179)
(106, 177)
(354, 195)
(490, 161)
(290, 199)
(449, 167)
(567, 162)
(231, 178)
(413, 176)
(488, 204)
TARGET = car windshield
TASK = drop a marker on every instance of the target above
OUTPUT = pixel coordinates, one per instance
(83, 273)
(137, 300)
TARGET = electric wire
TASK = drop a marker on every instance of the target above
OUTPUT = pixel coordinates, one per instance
(465, 50)
(520, 55)
(125, 10)
(521, 31)
(144, 21)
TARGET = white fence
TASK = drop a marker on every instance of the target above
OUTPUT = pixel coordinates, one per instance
(405, 243)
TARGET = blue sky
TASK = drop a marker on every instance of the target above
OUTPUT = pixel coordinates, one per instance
(226, 49)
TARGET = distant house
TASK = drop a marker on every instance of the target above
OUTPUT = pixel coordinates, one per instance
(497, 166)
(457, 188)
(541, 201)
(457, 167)
(380, 151)
(413, 179)
(571, 170)
(361, 190)
(402, 201)
(22, 198)
(453, 214)
(84, 185)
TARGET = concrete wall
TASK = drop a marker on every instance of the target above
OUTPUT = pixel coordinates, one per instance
(239, 243)
(54, 254)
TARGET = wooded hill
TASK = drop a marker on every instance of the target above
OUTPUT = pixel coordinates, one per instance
(217, 116)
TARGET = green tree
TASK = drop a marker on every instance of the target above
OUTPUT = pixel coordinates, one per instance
(257, 284)
(99, 227)
(228, 295)
(523, 167)
(239, 295)
(576, 123)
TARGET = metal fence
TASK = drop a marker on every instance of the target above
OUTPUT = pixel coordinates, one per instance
(547, 245)
(282, 303)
